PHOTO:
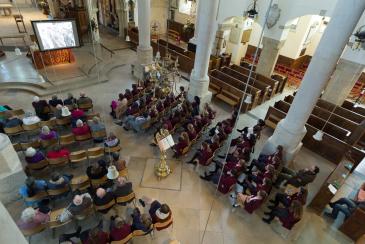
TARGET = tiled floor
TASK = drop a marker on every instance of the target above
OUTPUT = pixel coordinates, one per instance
(201, 215)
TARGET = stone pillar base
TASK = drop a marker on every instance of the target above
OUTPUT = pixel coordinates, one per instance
(269, 56)
(289, 140)
(199, 87)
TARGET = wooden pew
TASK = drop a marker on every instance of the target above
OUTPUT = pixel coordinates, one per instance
(239, 85)
(272, 83)
(282, 82)
(350, 106)
(273, 117)
(257, 84)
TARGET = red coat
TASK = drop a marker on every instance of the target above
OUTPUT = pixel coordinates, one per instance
(77, 113)
(180, 146)
(121, 233)
(58, 154)
(226, 182)
(204, 156)
(79, 131)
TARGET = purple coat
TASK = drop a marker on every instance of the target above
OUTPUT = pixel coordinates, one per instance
(36, 158)
(52, 135)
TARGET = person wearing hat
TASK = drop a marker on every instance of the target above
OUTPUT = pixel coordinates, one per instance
(112, 173)
(119, 228)
(103, 197)
(33, 156)
(83, 99)
(41, 108)
(32, 218)
(47, 134)
(111, 140)
(81, 128)
(58, 152)
(30, 119)
(122, 188)
(97, 171)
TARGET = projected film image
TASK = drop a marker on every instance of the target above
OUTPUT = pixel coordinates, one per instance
(56, 35)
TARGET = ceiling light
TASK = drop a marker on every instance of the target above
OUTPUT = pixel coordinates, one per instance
(318, 136)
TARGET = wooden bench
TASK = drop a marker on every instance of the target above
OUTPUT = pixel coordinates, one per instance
(239, 85)
(272, 83)
(351, 106)
(263, 87)
(228, 98)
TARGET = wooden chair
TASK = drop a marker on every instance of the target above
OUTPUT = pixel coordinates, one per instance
(86, 106)
(112, 149)
(67, 139)
(124, 173)
(30, 232)
(99, 134)
(63, 121)
(95, 152)
(17, 112)
(58, 162)
(13, 130)
(98, 182)
(163, 225)
(86, 213)
(31, 127)
(48, 143)
(127, 199)
(39, 165)
(142, 233)
(80, 183)
(53, 193)
(124, 241)
(35, 144)
(83, 137)
(50, 123)
(54, 223)
(78, 156)
(105, 206)
(90, 116)
(37, 197)
(17, 147)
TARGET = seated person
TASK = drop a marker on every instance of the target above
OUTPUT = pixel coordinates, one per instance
(198, 126)
(89, 236)
(133, 109)
(202, 155)
(141, 222)
(227, 128)
(111, 140)
(135, 90)
(141, 104)
(211, 113)
(33, 156)
(83, 99)
(58, 152)
(58, 181)
(159, 212)
(160, 106)
(55, 101)
(128, 94)
(250, 202)
(214, 143)
(182, 95)
(32, 218)
(205, 119)
(30, 119)
(299, 178)
(346, 205)
(11, 121)
(58, 112)
(191, 132)
(31, 188)
(183, 142)
(47, 134)
(119, 229)
(96, 126)
(153, 112)
(79, 204)
(121, 108)
(102, 197)
(290, 214)
(81, 128)
(41, 108)
(267, 158)
(166, 123)
(77, 114)
(120, 164)
(266, 186)
(258, 176)
(149, 99)
(70, 100)
(286, 200)
(228, 180)
(175, 118)
(122, 188)
(97, 171)
(136, 123)
(196, 106)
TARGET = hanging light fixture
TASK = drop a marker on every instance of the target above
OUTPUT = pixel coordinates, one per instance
(17, 51)
(318, 136)
(127, 38)
(252, 13)
(158, 55)
(248, 99)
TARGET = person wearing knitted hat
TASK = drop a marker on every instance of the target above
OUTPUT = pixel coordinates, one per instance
(33, 156)
(41, 108)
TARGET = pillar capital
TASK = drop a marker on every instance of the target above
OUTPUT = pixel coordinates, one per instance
(269, 55)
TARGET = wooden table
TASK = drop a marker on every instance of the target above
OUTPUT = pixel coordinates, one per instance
(6, 7)
(49, 58)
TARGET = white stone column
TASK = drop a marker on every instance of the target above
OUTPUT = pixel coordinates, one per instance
(194, 39)
(144, 49)
(92, 9)
(269, 55)
(122, 12)
(291, 130)
(53, 8)
(11, 171)
(199, 79)
(342, 81)
(9, 232)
